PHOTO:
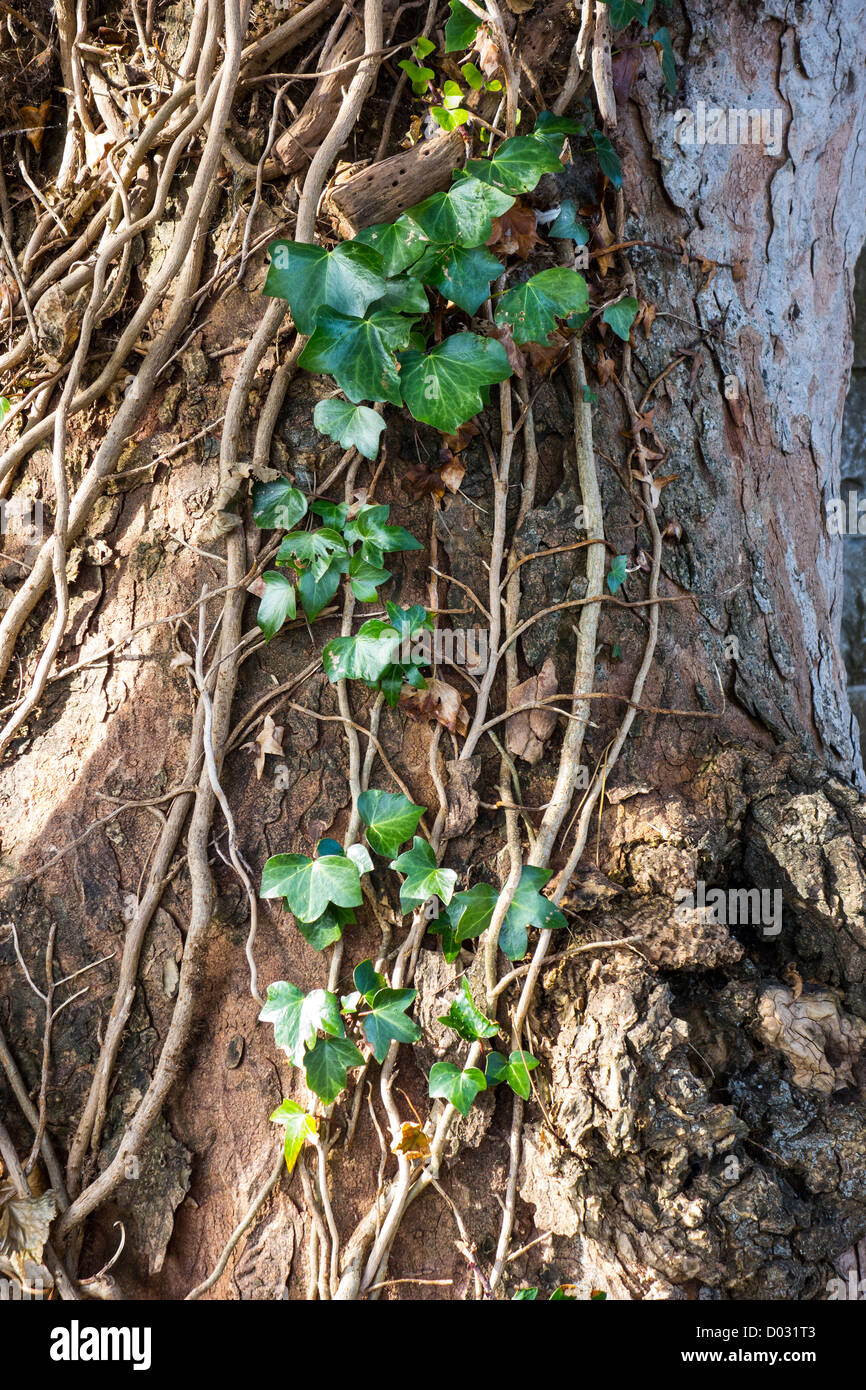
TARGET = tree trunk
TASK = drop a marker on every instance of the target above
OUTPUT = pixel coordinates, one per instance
(697, 1127)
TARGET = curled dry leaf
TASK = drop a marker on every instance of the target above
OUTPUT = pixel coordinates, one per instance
(488, 53)
(646, 317)
(462, 439)
(268, 740)
(527, 732)
(452, 474)
(512, 351)
(34, 120)
(514, 232)
(413, 1142)
(604, 367)
(24, 1226)
(440, 701)
(545, 356)
(604, 237)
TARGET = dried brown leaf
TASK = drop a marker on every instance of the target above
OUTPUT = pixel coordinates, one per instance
(527, 732)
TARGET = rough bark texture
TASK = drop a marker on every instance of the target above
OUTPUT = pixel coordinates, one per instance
(703, 1129)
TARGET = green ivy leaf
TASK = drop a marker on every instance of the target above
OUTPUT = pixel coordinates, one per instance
(423, 877)
(326, 929)
(419, 77)
(607, 158)
(443, 387)
(277, 603)
(365, 578)
(533, 307)
(310, 885)
(560, 1296)
(517, 165)
(620, 316)
(514, 1071)
(278, 505)
(332, 513)
(367, 980)
(326, 1066)
(362, 657)
(409, 621)
(525, 1296)
(458, 1087)
(388, 1023)
(568, 224)
(403, 295)
(529, 908)
(622, 12)
(466, 916)
(462, 274)
(5, 407)
(553, 129)
(316, 593)
(468, 1022)
(369, 527)
(422, 47)
(346, 279)
(352, 426)
(297, 1017)
(447, 119)
(460, 28)
(391, 819)
(314, 548)
(299, 1128)
(472, 76)
(665, 50)
(462, 216)
(359, 353)
(617, 573)
(399, 243)
(360, 857)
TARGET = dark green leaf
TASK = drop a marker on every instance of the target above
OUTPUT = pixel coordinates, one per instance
(365, 578)
(332, 513)
(529, 908)
(443, 387)
(278, 504)
(467, 916)
(620, 316)
(326, 1066)
(310, 885)
(525, 1296)
(409, 621)
(515, 1071)
(359, 353)
(622, 12)
(617, 573)
(391, 819)
(362, 657)
(367, 980)
(553, 129)
(533, 307)
(517, 165)
(424, 878)
(664, 47)
(315, 593)
(297, 1017)
(277, 603)
(388, 1022)
(314, 548)
(346, 279)
(399, 243)
(403, 295)
(460, 28)
(369, 527)
(326, 929)
(607, 158)
(353, 426)
(462, 216)
(568, 224)
(462, 274)
(458, 1087)
(468, 1022)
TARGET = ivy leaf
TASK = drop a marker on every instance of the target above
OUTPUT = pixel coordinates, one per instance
(467, 916)
(529, 908)
(568, 224)
(560, 1296)
(533, 307)
(403, 295)
(297, 1017)
(422, 47)
(326, 1066)
(463, 215)
(299, 1128)
(388, 1022)
(553, 129)
(328, 847)
(362, 657)
(359, 353)
(278, 505)
(418, 76)
(311, 885)
(664, 48)
(463, 274)
(617, 573)
(515, 1071)
(408, 621)
(517, 165)
(423, 877)
(399, 243)
(468, 1022)
(368, 981)
(326, 929)
(458, 1087)
(443, 387)
(607, 158)
(620, 316)
(332, 513)
(447, 119)
(369, 528)
(365, 578)
(353, 426)
(525, 1296)
(360, 857)
(622, 12)
(391, 819)
(460, 28)
(472, 76)
(316, 593)
(346, 279)
(277, 603)
(314, 548)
